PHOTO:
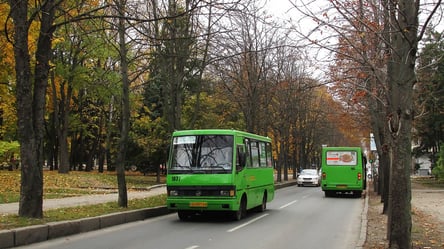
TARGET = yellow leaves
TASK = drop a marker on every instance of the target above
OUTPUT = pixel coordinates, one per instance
(10, 184)
(7, 79)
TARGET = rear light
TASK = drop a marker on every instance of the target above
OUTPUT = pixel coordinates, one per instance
(359, 176)
(324, 176)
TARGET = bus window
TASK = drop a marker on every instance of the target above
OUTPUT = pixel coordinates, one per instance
(269, 154)
(247, 152)
(254, 154)
(241, 157)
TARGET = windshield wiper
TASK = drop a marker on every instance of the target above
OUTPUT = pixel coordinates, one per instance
(186, 167)
(216, 167)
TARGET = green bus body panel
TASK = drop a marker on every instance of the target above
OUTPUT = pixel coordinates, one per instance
(340, 176)
(250, 181)
(199, 179)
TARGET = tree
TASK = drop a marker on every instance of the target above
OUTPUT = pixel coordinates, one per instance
(243, 66)
(124, 125)
(438, 170)
(429, 100)
(172, 67)
(30, 95)
(8, 118)
(31, 87)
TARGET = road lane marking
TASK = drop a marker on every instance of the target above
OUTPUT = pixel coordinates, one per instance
(192, 247)
(288, 204)
(246, 223)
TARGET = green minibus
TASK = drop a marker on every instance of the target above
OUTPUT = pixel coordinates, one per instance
(219, 170)
(343, 171)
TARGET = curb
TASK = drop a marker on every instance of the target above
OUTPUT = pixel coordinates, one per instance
(364, 221)
(38, 233)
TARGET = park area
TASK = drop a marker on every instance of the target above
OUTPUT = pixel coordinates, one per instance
(427, 216)
(76, 183)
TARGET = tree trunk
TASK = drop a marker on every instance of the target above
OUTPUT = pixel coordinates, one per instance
(401, 78)
(384, 177)
(31, 102)
(124, 130)
(62, 128)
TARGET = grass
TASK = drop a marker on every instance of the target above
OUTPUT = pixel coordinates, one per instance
(75, 184)
(429, 182)
(73, 213)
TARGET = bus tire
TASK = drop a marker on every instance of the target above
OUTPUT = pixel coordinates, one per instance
(357, 194)
(329, 193)
(263, 206)
(183, 215)
(242, 211)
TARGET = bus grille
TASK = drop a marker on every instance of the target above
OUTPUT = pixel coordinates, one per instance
(201, 190)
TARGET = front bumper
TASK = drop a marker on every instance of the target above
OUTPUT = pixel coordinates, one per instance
(199, 204)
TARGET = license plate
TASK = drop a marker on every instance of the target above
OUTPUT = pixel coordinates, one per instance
(341, 186)
(198, 204)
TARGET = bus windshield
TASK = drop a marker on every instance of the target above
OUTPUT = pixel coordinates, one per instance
(202, 154)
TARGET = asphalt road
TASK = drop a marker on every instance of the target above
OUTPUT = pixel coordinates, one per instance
(297, 218)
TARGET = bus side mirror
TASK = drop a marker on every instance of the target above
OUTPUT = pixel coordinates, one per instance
(241, 158)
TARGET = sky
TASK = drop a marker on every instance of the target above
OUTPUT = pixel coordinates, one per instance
(284, 10)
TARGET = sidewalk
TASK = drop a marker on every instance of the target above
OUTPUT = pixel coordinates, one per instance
(12, 208)
(84, 200)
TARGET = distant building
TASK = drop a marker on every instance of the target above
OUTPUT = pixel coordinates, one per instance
(425, 165)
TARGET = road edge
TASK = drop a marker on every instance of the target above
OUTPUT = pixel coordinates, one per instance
(364, 222)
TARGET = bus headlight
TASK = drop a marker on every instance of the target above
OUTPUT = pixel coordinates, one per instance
(173, 193)
(227, 193)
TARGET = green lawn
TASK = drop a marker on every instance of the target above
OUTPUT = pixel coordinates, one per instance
(75, 184)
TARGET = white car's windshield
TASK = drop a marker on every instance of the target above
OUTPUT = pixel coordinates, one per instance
(309, 172)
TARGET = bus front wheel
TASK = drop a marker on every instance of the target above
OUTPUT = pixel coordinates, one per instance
(183, 215)
(239, 214)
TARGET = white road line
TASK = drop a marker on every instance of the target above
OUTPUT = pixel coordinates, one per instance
(288, 204)
(246, 223)
(192, 247)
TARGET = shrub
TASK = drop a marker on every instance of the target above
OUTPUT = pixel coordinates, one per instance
(438, 170)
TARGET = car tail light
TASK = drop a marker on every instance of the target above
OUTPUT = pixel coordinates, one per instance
(324, 176)
(359, 176)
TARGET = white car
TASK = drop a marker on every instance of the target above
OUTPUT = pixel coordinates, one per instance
(309, 177)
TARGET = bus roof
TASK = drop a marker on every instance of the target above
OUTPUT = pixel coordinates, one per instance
(342, 148)
(219, 132)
